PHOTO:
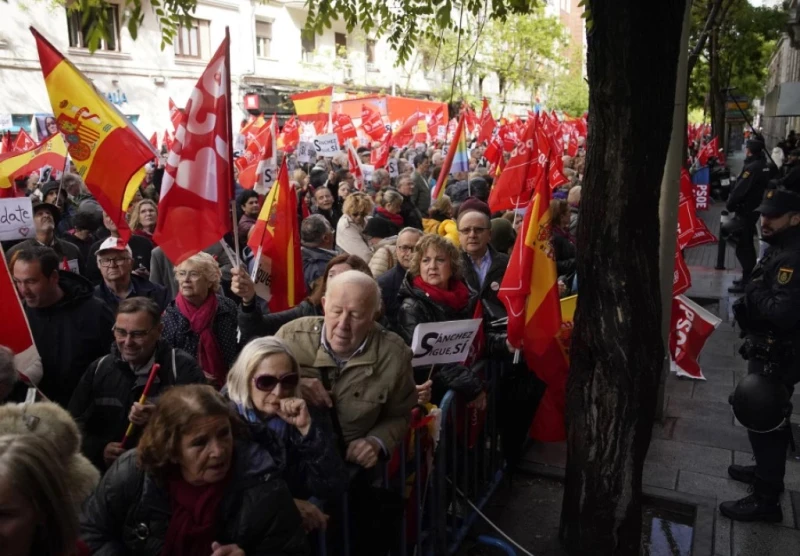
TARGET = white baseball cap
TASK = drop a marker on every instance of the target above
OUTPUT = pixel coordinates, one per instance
(114, 244)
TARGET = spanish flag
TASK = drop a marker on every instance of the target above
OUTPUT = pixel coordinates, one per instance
(52, 152)
(277, 235)
(313, 106)
(529, 291)
(108, 152)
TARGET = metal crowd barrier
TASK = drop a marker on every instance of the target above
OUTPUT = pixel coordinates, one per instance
(467, 466)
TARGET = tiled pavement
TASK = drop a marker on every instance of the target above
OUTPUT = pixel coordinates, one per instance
(699, 437)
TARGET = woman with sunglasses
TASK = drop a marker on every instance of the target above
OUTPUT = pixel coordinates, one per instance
(261, 385)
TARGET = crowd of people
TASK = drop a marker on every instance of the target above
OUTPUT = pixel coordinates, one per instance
(255, 422)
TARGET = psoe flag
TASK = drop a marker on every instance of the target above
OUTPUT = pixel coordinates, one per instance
(313, 105)
(108, 153)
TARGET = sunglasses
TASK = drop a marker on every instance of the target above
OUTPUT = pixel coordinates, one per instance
(267, 383)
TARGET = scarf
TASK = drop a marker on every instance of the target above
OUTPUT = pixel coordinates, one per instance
(395, 219)
(201, 320)
(456, 296)
(192, 525)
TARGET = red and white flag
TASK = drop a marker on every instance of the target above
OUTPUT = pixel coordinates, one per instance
(379, 157)
(194, 211)
(691, 327)
(175, 115)
(154, 140)
(14, 328)
(257, 166)
(289, 137)
(354, 165)
(167, 141)
(406, 133)
(692, 231)
(343, 127)
(24, 142)
(681, 277)
(487, 123)
(372, 123)
(526, 168)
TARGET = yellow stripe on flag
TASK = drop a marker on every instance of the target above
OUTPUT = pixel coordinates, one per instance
(132, 188)
(538, 238)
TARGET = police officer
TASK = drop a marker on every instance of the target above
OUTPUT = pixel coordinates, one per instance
(744, 199)
(769, 316)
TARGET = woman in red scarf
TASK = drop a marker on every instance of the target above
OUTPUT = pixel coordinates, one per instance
(433, 291)
(389, 208)
(194, 486)
(201, 321)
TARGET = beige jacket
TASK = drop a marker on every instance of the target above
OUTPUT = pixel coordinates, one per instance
(350, 239)
(373, 393)
(383, 259)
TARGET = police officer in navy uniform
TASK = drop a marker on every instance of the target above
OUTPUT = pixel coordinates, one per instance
(745, 197)
(769, 316)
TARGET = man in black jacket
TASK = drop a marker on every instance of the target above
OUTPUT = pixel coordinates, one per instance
(769, 316)
(115, 260)
(391, 280)
(105, 400)
(71, 328)
(141, 248)
(744, 199)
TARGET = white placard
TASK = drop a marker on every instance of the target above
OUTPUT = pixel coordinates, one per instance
(16, 218)
(305, 151)
(267, 174)
(326, 145)
(445, 148)
(441, 133)
(443, 342)
(368, 170)
(392, 168)
(263, 278)
(5, 121)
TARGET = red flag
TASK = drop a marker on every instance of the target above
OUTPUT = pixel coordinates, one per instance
(471, 120)
(524, 170)
(372, 123)
(251, 128)
(555, 164)
(508, 136)
(289, 136)
(154, 140)
(691, 326)
(24, 142)
(276, 235)
(343, 127)
(258, 158)
(167, 141)
(681, 278)
(354, 165)
(198, 179)
(487, 123)
(435, 120)
(709, 150)
(14, 328)
(494, 150)
(175, 114)
(379, 157)
(405, 133)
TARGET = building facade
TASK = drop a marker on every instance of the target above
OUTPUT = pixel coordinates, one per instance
(270, 58)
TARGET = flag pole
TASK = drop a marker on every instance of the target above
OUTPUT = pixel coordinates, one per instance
(231, 178)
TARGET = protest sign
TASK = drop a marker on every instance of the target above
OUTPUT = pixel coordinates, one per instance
(392, 168)
(16, 218)
(326, 145)
(443, 342)
(368, 170)
(305, 151)
(262, 278)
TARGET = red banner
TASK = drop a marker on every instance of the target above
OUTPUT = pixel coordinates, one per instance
(691, 326)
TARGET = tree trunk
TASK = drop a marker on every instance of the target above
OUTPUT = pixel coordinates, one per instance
(714, 89)
(617, 350)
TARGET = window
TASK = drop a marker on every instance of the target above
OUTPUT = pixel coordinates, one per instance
(79, 32)
(192, 42)
(308, 46)
(341, 45)
(370, 51)
(263, 38)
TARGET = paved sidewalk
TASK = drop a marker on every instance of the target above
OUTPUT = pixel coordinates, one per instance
(699, 437)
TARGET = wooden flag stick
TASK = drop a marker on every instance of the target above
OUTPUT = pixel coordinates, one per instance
(142, 399)
(237, 262)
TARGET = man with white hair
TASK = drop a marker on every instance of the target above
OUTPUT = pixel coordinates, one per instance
(351, 363)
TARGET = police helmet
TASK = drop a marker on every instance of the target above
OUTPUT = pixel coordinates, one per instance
(761, 403)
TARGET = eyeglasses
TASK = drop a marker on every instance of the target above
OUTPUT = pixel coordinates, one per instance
(113, 261)
(121, 333)
(474, 229)
(405, 247)
(193, 274)
(267, 383)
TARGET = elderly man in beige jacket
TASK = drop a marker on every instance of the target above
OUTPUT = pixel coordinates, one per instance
(350, 362)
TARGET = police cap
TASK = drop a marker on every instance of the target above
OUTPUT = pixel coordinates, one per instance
(777, 202)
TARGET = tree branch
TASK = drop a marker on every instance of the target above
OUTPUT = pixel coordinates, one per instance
(701, 41)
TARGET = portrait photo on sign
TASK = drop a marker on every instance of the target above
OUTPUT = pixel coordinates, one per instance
(45, 126)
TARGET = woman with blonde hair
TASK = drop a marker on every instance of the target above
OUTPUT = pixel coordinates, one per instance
(350, 229)
(144, 218)
(389, 208)
(201, 321)
(38, 517)
(263, 387)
